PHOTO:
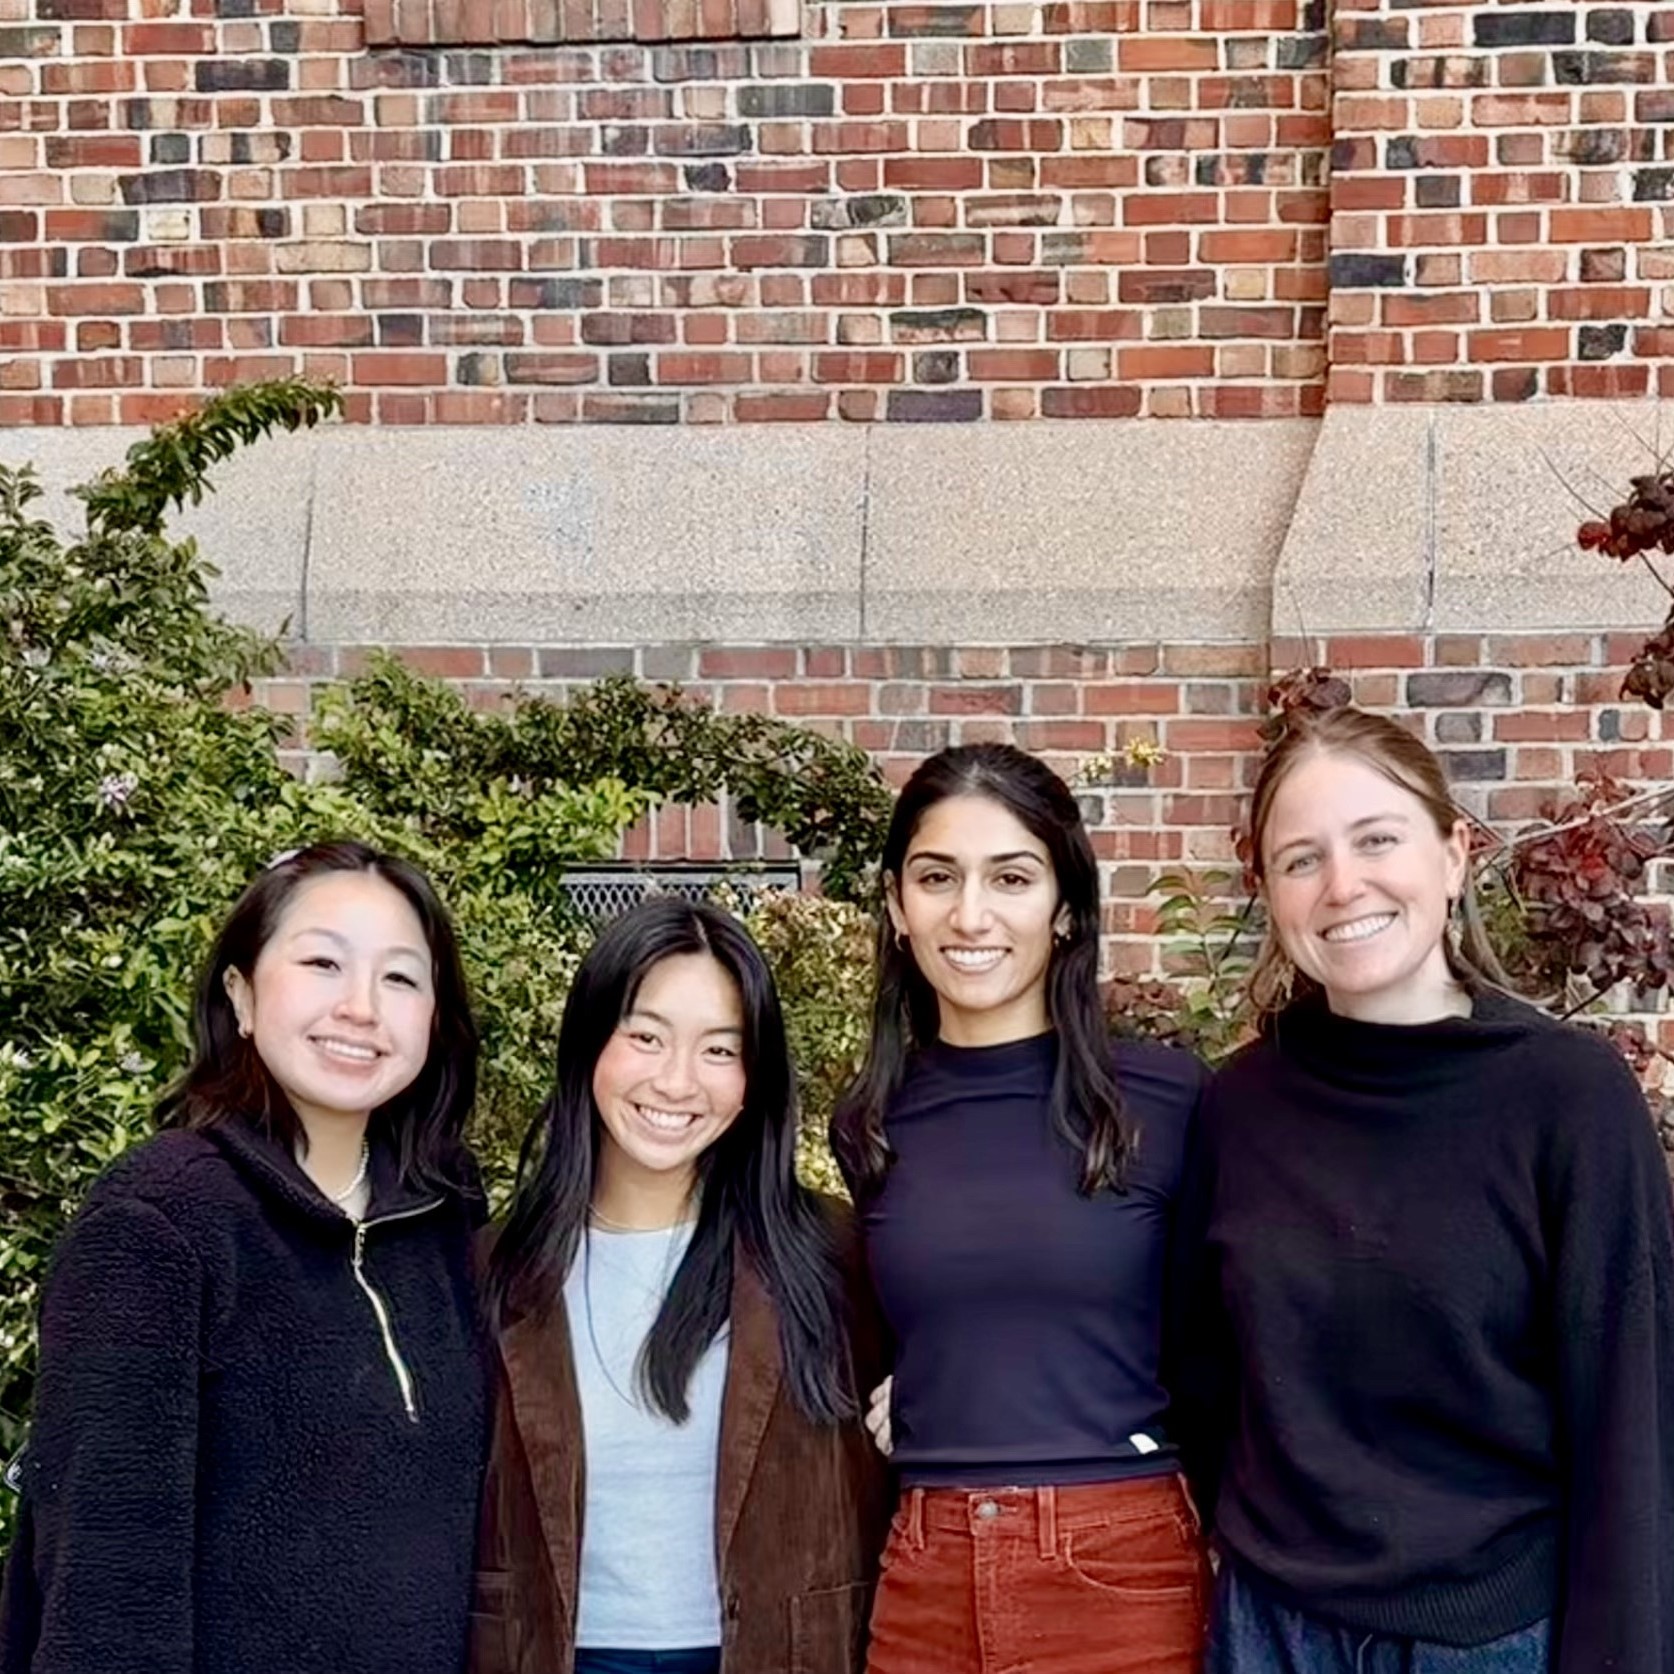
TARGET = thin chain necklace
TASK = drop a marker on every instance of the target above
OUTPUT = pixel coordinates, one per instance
(673, 1238)
(602, 1220)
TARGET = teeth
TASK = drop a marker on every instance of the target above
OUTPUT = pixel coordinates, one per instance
(349, 1050)
(670, 1121)
(973, 959)
(1360, 929)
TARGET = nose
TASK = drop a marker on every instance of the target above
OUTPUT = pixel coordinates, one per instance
(676, 1075)
(970, 908)
(1342, 878)
(358, 1000)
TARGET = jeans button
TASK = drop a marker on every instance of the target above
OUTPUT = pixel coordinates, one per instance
(987, 1508)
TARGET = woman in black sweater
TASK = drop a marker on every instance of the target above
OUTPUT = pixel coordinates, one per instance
(1435, 1313)
(259, 1420)
(1016, 1175)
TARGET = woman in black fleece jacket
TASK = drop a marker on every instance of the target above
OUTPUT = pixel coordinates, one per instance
(259, 1420)
(1436, 1294)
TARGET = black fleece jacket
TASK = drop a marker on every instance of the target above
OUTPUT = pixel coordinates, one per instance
(1442, 1260)
(251, 1454)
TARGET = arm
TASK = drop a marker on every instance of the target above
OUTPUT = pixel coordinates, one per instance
(1613, 1291)
(110, 1472)
(1198, 1361)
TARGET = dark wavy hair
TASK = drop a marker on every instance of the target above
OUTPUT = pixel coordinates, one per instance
(751, 1205)
(227, 1078)
(1086, 1103)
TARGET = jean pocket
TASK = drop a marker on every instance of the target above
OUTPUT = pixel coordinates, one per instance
(1140, 1563)
(828, 1629)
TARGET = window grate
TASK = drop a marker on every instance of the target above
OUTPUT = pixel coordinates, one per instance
(601, 893)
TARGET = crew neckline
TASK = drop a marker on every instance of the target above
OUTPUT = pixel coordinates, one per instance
(1024, 1046)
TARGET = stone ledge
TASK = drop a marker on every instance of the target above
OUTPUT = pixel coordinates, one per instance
(1136, 531)
(1462, 518)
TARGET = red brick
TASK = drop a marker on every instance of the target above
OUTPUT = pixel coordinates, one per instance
(1131, 698)
(816, 698)
(1558, 725)
(1349, 651)
(1540, 650)
(719, 663)
(976, 700)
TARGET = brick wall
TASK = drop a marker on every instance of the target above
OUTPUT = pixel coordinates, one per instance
(915, 209)
(1500, 193)
(946, 211)
(1514, 716)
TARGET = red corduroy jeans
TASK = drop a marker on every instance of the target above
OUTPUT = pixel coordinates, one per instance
(1103, 1578)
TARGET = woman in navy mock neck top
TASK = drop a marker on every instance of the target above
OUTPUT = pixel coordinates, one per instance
(1016, 1174)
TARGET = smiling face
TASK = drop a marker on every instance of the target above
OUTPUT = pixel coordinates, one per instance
(1358, 882)
(978, 903)
(670, 1080)
(340, 1002)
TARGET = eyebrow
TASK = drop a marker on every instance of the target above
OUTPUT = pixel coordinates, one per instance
(343, 941)
(993, 860)
(657, 1017)
(1370, 819)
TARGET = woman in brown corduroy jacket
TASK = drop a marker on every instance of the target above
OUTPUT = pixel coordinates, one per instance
(678, 1479)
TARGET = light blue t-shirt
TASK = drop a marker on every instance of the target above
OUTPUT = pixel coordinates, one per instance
(648, 1577)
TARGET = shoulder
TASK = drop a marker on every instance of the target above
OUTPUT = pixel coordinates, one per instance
(171, 1172)
(1553, 1065)
(134, 1232)
(1571, 1051)
(1157, 1080)
(1253, 1062)
(1246, 1079)
(1577, 1084)
(1161, 1088)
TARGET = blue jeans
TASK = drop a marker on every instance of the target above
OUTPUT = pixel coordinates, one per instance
(1251, 1632)
(647, 1662)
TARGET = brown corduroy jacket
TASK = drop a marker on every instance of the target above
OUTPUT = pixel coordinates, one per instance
(801, 1509)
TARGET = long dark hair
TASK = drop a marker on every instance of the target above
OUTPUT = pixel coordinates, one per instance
(751, 1204)
(227, 1078)
(1086, 1104)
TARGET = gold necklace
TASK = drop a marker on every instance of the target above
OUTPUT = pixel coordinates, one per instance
(602, 1220)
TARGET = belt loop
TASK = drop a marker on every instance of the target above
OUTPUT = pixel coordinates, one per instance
(915, 1518)
(1191, 1503)
(1046, 1520)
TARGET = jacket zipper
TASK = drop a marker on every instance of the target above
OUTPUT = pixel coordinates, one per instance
(403, 1377)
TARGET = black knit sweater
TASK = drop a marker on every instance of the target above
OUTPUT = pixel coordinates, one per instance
(232, 1466)
(1436, 1298)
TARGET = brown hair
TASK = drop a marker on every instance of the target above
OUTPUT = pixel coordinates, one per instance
(1389, 749)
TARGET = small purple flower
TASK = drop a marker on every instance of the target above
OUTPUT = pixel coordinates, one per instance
(116, 788)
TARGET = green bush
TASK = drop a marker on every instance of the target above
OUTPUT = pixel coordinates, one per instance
(136, 801)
